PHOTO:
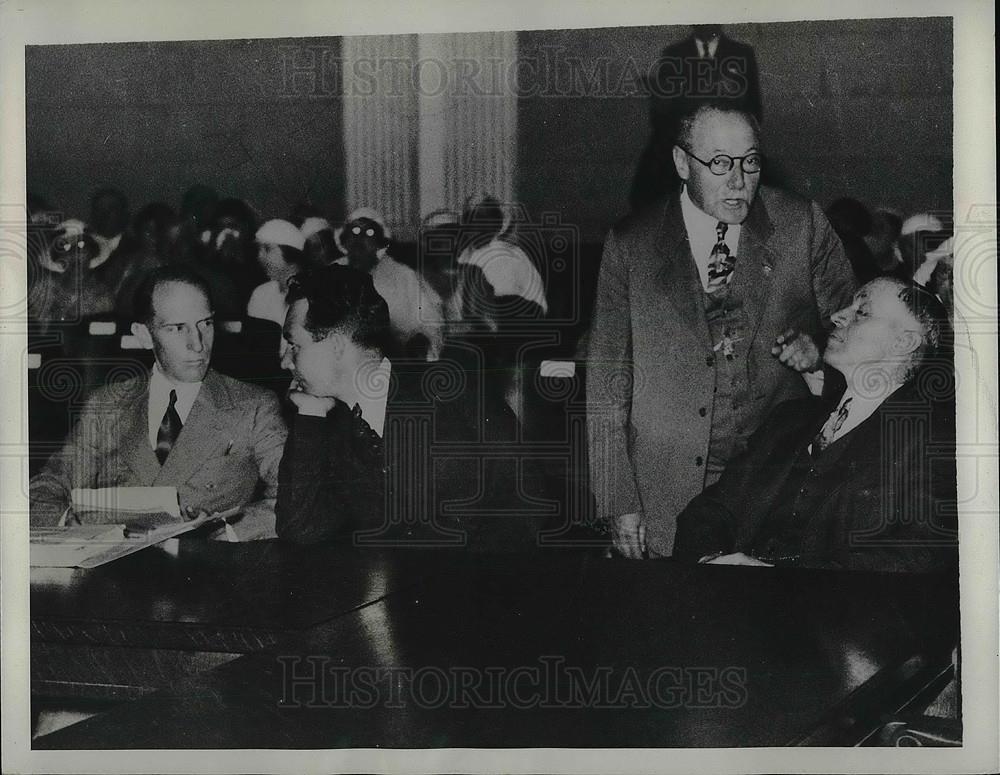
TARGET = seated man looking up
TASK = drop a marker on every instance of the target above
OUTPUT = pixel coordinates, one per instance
(215, 439)
(367, 457)
(867, 483)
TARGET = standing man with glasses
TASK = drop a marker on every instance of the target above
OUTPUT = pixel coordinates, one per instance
(709, 304)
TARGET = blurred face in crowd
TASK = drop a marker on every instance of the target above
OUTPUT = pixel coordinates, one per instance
(314, 364)
(180, 331)
(109, 214)
(70, 251)
(876, 329)
(362, 238)
(271, 260)
(230, 239)
(726, 197)
(321, 249)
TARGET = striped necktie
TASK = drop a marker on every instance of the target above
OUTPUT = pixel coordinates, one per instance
(720, 262)
(170, 429)
(829, 431)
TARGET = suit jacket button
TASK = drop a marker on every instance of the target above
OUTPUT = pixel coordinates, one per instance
(710, 361)
(703, 411)
(698, 460)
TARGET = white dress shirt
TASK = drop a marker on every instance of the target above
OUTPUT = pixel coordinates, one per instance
(712, 45)
(702, 236)
(159, 400)
(861, 407)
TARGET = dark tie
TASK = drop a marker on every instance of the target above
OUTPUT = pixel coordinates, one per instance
(825, 437)
(170, 429)
(720, 262)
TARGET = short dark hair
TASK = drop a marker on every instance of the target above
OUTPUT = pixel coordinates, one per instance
(692, 107)
(343, 299)
(239, 211)
(142, 304)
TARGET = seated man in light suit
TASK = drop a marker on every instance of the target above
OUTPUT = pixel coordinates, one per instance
(217, 440)
(865, 481)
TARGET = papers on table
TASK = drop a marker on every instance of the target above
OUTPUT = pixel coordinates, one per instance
(117, 521)
(87, 546)
(126, 500)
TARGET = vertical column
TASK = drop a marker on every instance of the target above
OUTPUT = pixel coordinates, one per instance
(380, 127)
(428, 121)
(468, 117)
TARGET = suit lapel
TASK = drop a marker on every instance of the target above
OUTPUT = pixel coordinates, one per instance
(678, 276)
(134, 429)
(202, 431)
(754, 265)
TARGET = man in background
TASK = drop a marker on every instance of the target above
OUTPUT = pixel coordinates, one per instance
(705, 65)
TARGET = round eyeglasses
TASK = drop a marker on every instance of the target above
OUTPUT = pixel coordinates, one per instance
(721, 164)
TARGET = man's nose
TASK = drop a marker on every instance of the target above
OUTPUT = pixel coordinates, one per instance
(736, 179)
(286, 359)
(196, 340)
(842, 317)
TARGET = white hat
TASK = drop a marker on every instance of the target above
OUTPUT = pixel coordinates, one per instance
(943, 252)
(279, 232)
(313, 225)
(920, 222)
(441, 218)
(72, 227)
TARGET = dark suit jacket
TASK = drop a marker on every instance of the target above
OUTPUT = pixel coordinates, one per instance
(881, 498)
(650, 368)
(230, 446)
(438, 476)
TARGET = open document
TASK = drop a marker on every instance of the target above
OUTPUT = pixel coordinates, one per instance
(118, 521)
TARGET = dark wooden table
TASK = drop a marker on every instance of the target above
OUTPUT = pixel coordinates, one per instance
(139, 623)
(415, 649)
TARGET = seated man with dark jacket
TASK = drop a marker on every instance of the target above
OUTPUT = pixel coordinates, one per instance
(865, 483)
(382, 454)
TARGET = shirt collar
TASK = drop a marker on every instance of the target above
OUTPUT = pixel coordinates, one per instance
(861, 407)
(373, 405)
(697, 220)
(160, 387)
(701, 228)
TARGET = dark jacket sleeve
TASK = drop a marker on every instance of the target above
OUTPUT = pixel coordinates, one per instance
(309, 506)
(724, 515)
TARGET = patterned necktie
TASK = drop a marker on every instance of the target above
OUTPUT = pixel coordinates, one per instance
(829, 431)
(720, 262)
(170, 429)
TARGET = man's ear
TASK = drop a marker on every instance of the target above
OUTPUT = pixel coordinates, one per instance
(141, 332)
(907, 342)
(681, 163)
(338, 343)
